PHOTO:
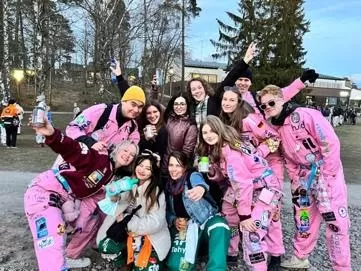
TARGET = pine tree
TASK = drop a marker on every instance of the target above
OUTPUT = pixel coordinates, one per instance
(278, 27)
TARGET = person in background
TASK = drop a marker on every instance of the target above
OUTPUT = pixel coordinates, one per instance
(11, 122)
(193, 214)
(39, 139)
(2, 125)
(145, 241)
(154, 134)
(76, 110)
(45, 196)
(311, 150)
(49, 115)
(21, 116)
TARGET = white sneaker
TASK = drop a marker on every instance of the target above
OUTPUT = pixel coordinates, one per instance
(78, 263)
(295, 262)
(109, 257)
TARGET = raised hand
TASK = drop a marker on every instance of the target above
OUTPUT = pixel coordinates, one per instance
(309, 75)
(250, 53)
(117, 70)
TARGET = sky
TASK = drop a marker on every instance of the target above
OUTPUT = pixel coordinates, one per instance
(333, 44)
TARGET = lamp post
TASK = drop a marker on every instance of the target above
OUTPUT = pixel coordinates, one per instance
(171, 74)
(18, 76)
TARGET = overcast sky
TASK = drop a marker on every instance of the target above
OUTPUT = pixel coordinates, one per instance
(333, 44)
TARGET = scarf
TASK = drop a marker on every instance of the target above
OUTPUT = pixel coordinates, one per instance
(176, 187)
(201, 111)
(287, 110)
(144, 253)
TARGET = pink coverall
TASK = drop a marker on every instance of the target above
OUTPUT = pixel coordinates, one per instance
(45, 195)
(309, 139)
(249, 174)
(257, 130)
(112, 134)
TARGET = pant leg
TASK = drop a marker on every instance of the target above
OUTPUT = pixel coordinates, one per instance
(48, 229)
(307, 226)
(274, 237)
(254, 244)
(337, 221)
(217, 233)
(89, 221)
(8, 135)
(231, 216)
(14, 134)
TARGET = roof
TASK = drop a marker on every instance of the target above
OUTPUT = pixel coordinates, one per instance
(205, 64)
(328, 77)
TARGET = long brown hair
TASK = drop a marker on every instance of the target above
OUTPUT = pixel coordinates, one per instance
(155, 188)
(143, 116)
(242, 110)
(227, 135)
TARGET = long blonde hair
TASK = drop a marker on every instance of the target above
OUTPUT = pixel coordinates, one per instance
(227, 135)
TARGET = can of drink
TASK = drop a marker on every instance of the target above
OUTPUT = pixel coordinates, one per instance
(37, 119)
(203, 165)
(148, 131)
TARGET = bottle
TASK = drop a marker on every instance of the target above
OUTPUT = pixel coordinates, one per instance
(37, 118)
(203, 165)
(113, 64)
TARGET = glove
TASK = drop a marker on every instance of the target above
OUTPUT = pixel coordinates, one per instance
(107, 206)
(309, 75)
(119, 186)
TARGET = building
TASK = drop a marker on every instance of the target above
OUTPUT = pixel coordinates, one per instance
(329, 90)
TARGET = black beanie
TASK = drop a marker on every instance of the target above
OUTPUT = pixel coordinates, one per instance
(12, 101)
(246, 74)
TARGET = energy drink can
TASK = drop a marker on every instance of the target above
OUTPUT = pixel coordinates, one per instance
(37, 119)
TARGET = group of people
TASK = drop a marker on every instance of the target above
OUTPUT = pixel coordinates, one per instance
(202, 177)
(10, 123)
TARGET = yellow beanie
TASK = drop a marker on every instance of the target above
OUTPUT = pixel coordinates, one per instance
(134, 93)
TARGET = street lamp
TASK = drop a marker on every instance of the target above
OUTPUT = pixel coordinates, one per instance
(171, 74)
(18, 76)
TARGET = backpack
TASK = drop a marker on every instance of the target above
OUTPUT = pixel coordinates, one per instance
(105, 117)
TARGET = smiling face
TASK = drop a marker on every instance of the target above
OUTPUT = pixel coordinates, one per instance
(272, 105)
(125, 156)
(229, 102)
(197, 90)
(180, 106)
(243, 84)
(176, 170)
(210, 137)
(131, 109)
(153, 115)
(143, 171)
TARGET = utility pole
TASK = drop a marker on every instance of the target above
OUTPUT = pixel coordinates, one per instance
(183, 49)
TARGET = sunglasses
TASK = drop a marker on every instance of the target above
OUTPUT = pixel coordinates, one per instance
(271, 103)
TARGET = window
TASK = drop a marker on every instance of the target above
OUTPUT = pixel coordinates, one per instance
(210, 78)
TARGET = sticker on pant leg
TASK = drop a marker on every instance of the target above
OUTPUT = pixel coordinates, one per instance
(254, 244)
(45, 242)
(257, 258)
(333, 227)
(329, 216)
(264, 220)
(304, 220)
(41, 228)
(342, 211)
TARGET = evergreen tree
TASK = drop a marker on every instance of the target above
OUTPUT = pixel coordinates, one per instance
(278, 27)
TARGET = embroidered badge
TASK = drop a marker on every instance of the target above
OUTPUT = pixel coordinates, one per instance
(310, 157)
(64, 166)
(41, 228)
(333, 227)
(257, 258)
(329, 216)
(93, 179)
(45, 242)
(295, 117)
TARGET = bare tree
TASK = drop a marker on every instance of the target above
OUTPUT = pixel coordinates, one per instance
(5, 65)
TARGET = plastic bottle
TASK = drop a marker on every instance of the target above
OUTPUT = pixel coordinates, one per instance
(203, 165)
